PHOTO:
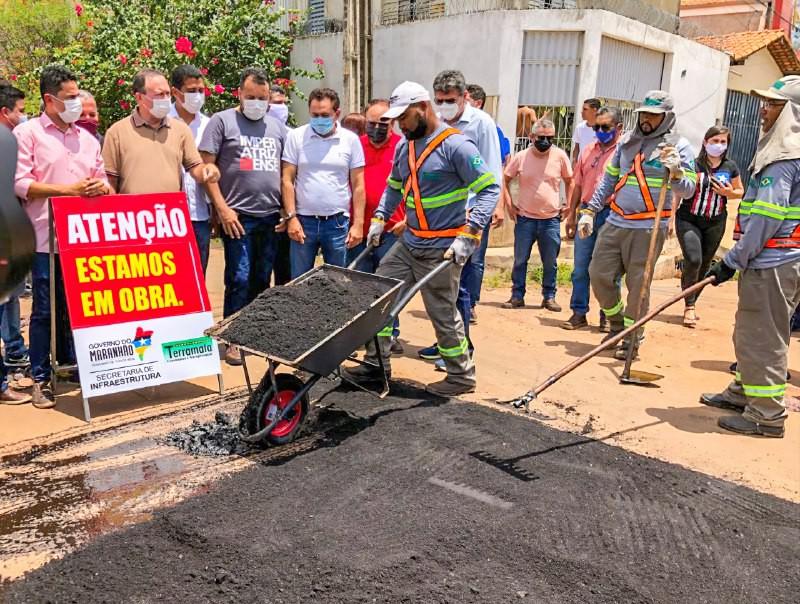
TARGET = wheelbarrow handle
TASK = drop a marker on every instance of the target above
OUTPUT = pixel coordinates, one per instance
(352, 266)
(412, 291)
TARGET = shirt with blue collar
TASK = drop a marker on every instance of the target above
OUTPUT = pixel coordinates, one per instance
(479, 127)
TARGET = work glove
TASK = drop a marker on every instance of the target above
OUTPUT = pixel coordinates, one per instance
(671, 160)
(721, 272)
(462, 248)
(586, 224)
(375, 232)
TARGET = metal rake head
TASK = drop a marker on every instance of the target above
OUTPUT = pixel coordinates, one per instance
(504, 465)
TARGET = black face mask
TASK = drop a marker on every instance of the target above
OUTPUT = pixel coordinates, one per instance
(543, 143)
(377, 133)
(419, 131)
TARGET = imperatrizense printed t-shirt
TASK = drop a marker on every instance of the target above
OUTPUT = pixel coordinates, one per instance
(249, 158)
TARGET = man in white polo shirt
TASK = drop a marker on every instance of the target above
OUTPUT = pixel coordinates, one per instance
(323, 169)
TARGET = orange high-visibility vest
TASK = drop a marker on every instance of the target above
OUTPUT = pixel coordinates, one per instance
(637, 170)
(412, 185)
(792, 241)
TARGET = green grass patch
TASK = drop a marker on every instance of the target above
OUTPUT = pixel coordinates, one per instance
(502, 277)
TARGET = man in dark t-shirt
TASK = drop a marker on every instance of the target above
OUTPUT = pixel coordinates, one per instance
(246, 144)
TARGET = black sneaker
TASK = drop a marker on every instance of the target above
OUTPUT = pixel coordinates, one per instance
(22, 360)
(551, 305)
(604, 327)
(576, 321)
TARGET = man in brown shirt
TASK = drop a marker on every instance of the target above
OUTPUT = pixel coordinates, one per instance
(144, 153)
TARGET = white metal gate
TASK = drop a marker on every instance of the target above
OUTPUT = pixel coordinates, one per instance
(626, 71)
(550, 66)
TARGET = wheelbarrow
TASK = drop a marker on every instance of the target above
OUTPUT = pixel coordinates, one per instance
(279, 405)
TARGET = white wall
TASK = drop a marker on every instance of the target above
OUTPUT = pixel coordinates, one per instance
(487, 47)
(759, 71)
(329, 48)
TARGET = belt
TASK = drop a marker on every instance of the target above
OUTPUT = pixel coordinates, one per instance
(318, 217)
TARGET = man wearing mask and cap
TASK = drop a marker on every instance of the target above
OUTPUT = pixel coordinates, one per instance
(188, 90)
(246, 143)
(451, 102)
(55, 158)
(646, 156)
(767, 256)
(433, 172)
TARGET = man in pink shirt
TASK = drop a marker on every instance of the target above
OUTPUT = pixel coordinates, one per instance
(56, 158)
(538, 210)
(589, 171)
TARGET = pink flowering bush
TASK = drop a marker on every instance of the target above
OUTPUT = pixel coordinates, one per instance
(111, 41)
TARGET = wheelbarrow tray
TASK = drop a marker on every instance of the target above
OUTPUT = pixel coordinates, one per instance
(332, 348)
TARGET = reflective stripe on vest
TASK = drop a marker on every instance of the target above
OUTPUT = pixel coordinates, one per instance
(637, 171)
(792, 241)
(412, 185)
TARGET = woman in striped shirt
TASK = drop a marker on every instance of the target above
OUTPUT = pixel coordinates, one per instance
(700, 220)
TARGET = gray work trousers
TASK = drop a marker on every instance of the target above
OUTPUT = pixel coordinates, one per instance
(621, 251)
(439, 296)
(767, 299)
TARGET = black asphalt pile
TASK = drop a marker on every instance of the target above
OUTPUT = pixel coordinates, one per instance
(220, 437)
(411, 500)
(287, 321)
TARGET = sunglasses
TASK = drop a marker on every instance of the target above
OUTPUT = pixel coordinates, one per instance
(446, 102)
(604, 127)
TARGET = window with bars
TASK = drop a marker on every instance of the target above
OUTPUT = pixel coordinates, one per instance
(402, 11)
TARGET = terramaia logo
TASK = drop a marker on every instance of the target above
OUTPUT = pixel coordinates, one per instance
(181, 350)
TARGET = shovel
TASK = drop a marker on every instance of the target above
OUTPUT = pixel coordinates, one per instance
(532, 394)
(636, 376)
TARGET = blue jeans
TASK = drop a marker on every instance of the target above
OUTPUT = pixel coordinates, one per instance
(3, 374)
(328, 234)
(371, 262)
(202, 234)
(39, 337)
(478, 266)
(546, 232)
(10, 331)
(282, 267)
(248, 261)
(584, 248)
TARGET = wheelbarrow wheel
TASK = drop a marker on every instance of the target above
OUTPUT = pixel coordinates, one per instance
(254, 416)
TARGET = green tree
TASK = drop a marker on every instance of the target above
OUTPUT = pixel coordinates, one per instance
(116, 39)
(30, 33)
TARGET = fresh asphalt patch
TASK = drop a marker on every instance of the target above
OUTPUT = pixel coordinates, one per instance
(415, 500)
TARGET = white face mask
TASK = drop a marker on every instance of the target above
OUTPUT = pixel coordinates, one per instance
(254, 109)
(280, 112)
(193, 101)
(448, 111)
(160, 108)
(72, 110)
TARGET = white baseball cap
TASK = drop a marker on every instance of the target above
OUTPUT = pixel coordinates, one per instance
(785, 89)
(404, 95)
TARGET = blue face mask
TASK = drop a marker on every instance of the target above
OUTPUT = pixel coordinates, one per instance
(605, 137)
(322, 125)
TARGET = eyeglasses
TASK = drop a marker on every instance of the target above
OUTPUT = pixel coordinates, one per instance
(772, 103)
(604, 127)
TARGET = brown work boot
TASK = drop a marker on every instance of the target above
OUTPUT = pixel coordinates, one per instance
(724, 400)
(576, 321)
(448, 389)
(12, 397)
(514, 303)
(43, 397)
(604, 328)
(551, 305)
(233, 356)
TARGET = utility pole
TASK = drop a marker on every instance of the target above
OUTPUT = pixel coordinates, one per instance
(357, 54)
